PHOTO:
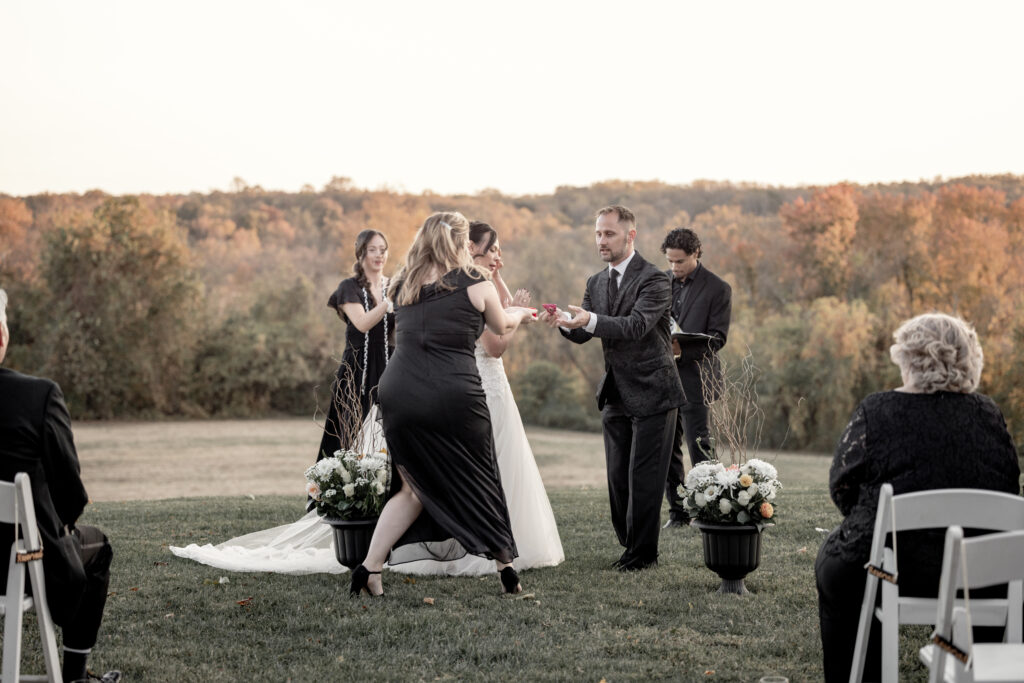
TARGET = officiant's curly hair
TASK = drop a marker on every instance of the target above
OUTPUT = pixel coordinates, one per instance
(938, 352)
(682, 238)
(440, 244)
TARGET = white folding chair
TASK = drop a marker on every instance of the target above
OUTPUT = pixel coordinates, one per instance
(26, 553)
(989, 560)
(935, 509)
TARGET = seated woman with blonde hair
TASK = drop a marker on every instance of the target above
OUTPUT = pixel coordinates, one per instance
(932, 432)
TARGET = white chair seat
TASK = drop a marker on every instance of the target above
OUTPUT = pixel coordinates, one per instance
(998, 662)
(993, 662)
(921, 611)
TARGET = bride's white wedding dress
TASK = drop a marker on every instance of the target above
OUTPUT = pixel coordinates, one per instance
(306, 546)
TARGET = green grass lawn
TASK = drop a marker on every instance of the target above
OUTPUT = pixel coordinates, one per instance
(168, 620)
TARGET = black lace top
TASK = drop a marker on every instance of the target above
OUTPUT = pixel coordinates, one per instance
(915, 442)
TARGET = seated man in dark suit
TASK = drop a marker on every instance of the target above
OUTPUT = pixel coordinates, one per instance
(35, 437)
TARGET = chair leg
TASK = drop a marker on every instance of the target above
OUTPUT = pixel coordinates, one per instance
(12, 622)
(867, 610)
(890, 633)
(47, 633)
(1014, 616)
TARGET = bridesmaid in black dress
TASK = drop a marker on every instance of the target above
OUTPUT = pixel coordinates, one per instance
(362, 303)
(436, 421)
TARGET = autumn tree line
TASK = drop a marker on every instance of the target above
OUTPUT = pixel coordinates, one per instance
(214, 305)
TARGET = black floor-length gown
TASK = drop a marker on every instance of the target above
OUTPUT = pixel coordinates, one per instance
(438, 429)
(357, 358)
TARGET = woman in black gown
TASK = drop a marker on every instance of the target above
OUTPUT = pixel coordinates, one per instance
(436, 421)
(362, 303)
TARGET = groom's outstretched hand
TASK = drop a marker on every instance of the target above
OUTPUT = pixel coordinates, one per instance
(580, 318)
(560, 318)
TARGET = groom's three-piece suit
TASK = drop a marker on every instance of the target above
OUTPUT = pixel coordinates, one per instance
(638, 398)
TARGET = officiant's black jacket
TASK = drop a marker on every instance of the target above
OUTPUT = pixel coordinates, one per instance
(634, 332)
(35, 437)
(707, 309)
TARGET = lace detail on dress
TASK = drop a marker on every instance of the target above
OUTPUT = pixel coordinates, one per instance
(492, 370)
(915, 442)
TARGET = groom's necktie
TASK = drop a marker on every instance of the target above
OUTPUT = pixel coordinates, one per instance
(613, 286)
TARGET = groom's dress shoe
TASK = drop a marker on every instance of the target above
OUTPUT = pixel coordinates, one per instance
(637, 565)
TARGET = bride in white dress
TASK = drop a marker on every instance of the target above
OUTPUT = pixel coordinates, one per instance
(306, 546)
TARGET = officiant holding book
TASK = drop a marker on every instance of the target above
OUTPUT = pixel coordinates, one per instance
(701, 308)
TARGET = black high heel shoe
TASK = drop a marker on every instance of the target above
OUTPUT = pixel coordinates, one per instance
(360, 581)
(510, 581)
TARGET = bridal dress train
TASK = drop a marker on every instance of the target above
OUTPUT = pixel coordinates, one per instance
(306, 546)
(302, 547)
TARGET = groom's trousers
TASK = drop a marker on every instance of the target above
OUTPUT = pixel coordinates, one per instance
(637, 453)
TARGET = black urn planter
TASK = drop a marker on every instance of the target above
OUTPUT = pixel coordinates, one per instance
(732, 551)
(351, 539)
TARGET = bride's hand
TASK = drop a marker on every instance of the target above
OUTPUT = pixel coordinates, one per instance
(521, 298)
(526, 314)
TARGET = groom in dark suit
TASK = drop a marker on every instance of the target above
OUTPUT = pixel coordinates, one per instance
(701, 303)
(35, 437)
(626, 305)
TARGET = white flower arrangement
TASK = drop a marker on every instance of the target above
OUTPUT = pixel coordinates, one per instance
(738, 494)
(350, 485)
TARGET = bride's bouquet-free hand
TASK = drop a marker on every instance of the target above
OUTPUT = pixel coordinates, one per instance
(349, 485)
(738, 494)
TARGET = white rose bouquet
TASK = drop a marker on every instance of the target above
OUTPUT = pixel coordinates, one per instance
(350, 485)
(738, 494)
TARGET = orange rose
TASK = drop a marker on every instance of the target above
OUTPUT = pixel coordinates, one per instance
(767, 510)
(746, 480)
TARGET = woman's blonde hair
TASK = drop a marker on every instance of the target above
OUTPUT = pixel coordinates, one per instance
(938, 352)
(440, 246)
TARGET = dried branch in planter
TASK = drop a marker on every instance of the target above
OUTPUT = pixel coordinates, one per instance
(348, 411)
(735, 418)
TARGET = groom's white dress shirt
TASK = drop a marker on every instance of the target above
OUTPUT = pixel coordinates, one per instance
(592, 323)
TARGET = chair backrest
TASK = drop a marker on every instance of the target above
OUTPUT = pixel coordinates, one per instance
(18, 508)
(989, 560)
(942, 508)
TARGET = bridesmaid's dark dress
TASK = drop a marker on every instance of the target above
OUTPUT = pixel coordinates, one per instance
(438, 429)
(353, 361)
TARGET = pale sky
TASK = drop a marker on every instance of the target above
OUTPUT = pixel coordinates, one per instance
(162, 97)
